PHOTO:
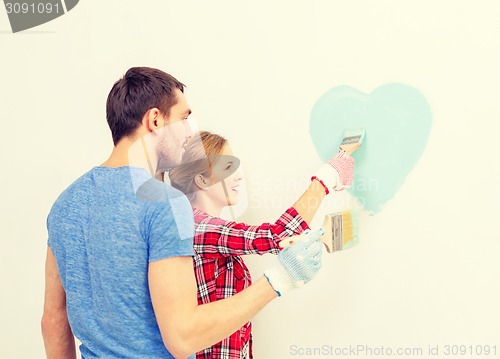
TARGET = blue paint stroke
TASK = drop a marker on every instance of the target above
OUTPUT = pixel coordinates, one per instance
(397, 119)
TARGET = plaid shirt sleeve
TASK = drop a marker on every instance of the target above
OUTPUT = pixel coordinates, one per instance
(227, 238)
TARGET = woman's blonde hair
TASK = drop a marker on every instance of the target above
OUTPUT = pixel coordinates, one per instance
(200, 152)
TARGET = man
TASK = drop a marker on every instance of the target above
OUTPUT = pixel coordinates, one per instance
(119, 272)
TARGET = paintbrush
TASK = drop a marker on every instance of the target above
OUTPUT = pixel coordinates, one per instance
(353, 138)
(341, 231)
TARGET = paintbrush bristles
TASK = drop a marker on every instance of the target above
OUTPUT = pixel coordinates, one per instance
(340, 232)
(350, 223)
(353, 138)
(344, 231)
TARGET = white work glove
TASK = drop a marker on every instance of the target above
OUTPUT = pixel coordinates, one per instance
(297, 264)
(338, 173)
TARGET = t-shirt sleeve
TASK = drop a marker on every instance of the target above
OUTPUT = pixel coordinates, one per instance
(50, 239)
(53, 229)
(168, 228)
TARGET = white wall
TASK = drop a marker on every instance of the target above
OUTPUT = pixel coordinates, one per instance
(426, 271)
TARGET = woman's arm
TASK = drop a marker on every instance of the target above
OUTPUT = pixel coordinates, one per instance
(309, 202)
(337, 174)
(216, 237)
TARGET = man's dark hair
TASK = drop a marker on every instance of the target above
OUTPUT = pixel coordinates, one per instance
(139, 90)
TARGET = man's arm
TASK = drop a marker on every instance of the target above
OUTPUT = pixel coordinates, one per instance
(57, 335)
(187, 327)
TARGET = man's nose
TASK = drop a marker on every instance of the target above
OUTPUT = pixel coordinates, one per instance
(187, 129)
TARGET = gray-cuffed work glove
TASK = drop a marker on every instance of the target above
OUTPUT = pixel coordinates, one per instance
(297, 264)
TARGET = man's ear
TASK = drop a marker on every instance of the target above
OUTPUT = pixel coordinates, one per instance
(153, 119)
(201, 182)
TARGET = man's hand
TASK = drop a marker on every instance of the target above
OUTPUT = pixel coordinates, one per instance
(297, 264)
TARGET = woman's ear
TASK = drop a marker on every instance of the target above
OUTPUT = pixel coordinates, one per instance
(201, 181)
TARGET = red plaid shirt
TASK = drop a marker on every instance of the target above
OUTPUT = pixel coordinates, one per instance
(220, 271)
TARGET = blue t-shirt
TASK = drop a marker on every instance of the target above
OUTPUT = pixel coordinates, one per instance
(104, 229)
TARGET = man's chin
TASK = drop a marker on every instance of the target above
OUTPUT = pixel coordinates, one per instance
(166, 166)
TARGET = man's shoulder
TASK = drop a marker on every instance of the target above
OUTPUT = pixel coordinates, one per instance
(154, 190)
(71, 200)
(81, 183)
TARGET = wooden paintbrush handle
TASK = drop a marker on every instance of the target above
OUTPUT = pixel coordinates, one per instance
(350, 148)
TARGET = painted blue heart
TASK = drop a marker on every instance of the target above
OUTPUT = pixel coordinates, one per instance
(397, 119)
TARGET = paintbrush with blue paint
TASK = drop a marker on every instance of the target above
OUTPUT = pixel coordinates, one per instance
(353, 138)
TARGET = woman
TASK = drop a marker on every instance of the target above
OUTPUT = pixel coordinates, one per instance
(210, 179)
